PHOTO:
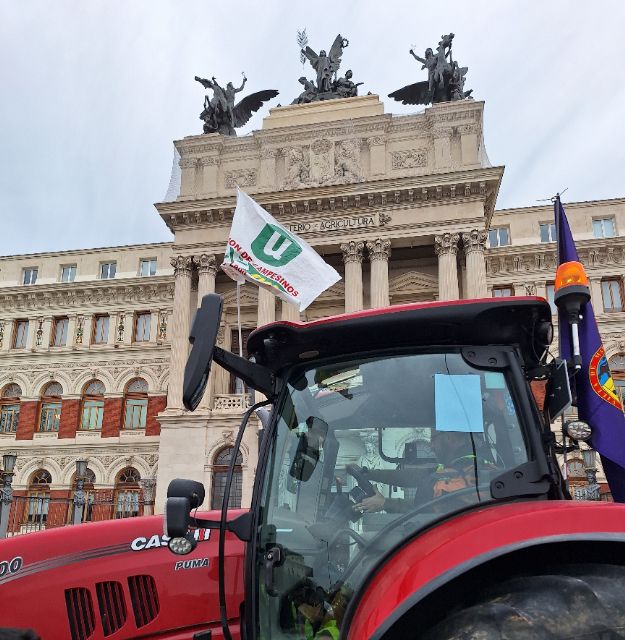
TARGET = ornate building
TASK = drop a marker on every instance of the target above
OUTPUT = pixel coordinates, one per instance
(402, 206)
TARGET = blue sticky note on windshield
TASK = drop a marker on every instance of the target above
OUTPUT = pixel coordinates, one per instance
(458, 403)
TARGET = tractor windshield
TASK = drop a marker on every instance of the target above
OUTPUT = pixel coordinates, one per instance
(366, 452)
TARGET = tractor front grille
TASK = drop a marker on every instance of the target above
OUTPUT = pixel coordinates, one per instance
(112, 606)
(80, 613)
(144, 598)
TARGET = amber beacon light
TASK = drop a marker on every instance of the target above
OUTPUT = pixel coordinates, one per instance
(571, 294)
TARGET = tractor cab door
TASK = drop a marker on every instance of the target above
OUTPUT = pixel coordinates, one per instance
(361, 454)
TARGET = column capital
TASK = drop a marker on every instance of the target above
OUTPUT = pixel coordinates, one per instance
(379, 249)
(182, 265)
(446, 244)
(206, 263)
(353, 251)
(475, 240)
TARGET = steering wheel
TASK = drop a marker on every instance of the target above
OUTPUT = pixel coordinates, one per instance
(350, 533)
(361, 479)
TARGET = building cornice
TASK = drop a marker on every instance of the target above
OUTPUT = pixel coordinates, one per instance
(78, 252)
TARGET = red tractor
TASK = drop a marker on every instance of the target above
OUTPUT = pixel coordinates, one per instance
(407, 487)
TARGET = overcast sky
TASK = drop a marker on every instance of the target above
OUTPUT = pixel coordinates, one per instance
(93, 93)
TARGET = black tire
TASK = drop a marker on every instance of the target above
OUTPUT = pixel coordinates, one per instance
(582, 602)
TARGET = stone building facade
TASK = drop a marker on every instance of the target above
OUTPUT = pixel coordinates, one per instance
(402, 206)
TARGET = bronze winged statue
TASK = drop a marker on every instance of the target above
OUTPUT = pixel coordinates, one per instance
(328, 86)
(445, 78)
(221, 115)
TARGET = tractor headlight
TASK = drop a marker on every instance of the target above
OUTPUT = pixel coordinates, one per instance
(182, 546)
(578, 430)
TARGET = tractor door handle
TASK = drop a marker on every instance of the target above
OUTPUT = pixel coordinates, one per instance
(274, 557)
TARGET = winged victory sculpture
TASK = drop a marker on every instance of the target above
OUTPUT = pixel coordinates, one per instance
(221, 115)
(328, 86)
(445, 77)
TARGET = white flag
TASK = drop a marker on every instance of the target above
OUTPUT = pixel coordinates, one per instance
(262, 251)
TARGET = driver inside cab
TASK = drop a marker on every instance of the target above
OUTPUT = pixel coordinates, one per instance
(457, 469)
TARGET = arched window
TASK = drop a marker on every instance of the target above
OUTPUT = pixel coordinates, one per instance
(136, 404)
(10, 408)
(617, 369)
(88, 488)
(92, 406)
(50, 414)
(36, 512)
(127, 492)
(220, 472)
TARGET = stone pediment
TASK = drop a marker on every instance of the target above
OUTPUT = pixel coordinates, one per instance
(413, 282)
(249, 296)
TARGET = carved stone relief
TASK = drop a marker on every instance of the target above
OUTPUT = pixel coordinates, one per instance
(409, 159)
(240, 178)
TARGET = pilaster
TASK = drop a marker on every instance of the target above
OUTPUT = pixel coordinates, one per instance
(446, 248)
(379, 254)
(474, 243)
(352, 258)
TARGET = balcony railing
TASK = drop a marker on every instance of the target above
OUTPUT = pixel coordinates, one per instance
(231, 403)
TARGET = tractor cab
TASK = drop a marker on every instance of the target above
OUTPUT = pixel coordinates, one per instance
(384, 423)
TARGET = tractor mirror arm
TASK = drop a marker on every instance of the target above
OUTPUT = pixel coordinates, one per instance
(254, 375)
(241, 526)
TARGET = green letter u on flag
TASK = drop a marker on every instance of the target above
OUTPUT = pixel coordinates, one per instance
(275, 247)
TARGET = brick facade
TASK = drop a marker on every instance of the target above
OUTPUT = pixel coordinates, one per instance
(70, 414)
(156, 404)
(27, 420)
(112, 419)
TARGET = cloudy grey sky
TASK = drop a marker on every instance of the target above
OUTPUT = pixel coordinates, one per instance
(93, 93)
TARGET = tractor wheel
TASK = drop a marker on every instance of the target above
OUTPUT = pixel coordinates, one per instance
(583, 602)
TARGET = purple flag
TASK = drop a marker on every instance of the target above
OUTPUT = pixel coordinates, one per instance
(597, 401)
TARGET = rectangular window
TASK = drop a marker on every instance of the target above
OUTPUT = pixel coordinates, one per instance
(603, 228)
(9, 415)
(92, 412)
(127, 504)
(68, 273)
(50, 417)
(236, 384)
(147, 267)
(550, 297)
(499, 237)
(502, 292)
(136, 413)
(142, 327)
(21, 334)
(100, 330)
(108, 270)
(30, 275)
(59, 338)
(548, 232)
(612, 295)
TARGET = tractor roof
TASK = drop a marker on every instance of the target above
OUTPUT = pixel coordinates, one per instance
(507, 321)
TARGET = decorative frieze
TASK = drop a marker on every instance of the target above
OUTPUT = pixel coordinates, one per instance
(119, 332)
(410, 159)
(162, 325)
(240, 178)
(39, 334)
(80, 329)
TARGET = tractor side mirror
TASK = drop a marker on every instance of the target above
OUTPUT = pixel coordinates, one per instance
(182, 497)
(203, 337)
(308, 449)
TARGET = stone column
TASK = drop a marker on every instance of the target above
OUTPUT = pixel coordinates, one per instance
(266, 307)
(290, 312)
(352, 258)
(180, 328)
(148, 486)
(379, 253)
(207, 271)
(474, 244)
(446, 247)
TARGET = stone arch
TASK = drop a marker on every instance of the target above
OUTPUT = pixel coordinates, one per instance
(130, 374)
(57, 376)
(86, 376)
(223, 443)
(163, 381)
(137, 462)
(92, 463)
(18, 379)
(614, 347)
(23, 475)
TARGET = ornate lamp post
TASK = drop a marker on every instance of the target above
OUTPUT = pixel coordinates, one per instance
(148, 485)
(590, 467)
(79, 493)
(6, 491)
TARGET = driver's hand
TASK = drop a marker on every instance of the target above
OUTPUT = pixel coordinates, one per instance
(371, 505)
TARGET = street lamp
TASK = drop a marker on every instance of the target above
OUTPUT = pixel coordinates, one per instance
(6, 491)
(79, 493)
(592, 491)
